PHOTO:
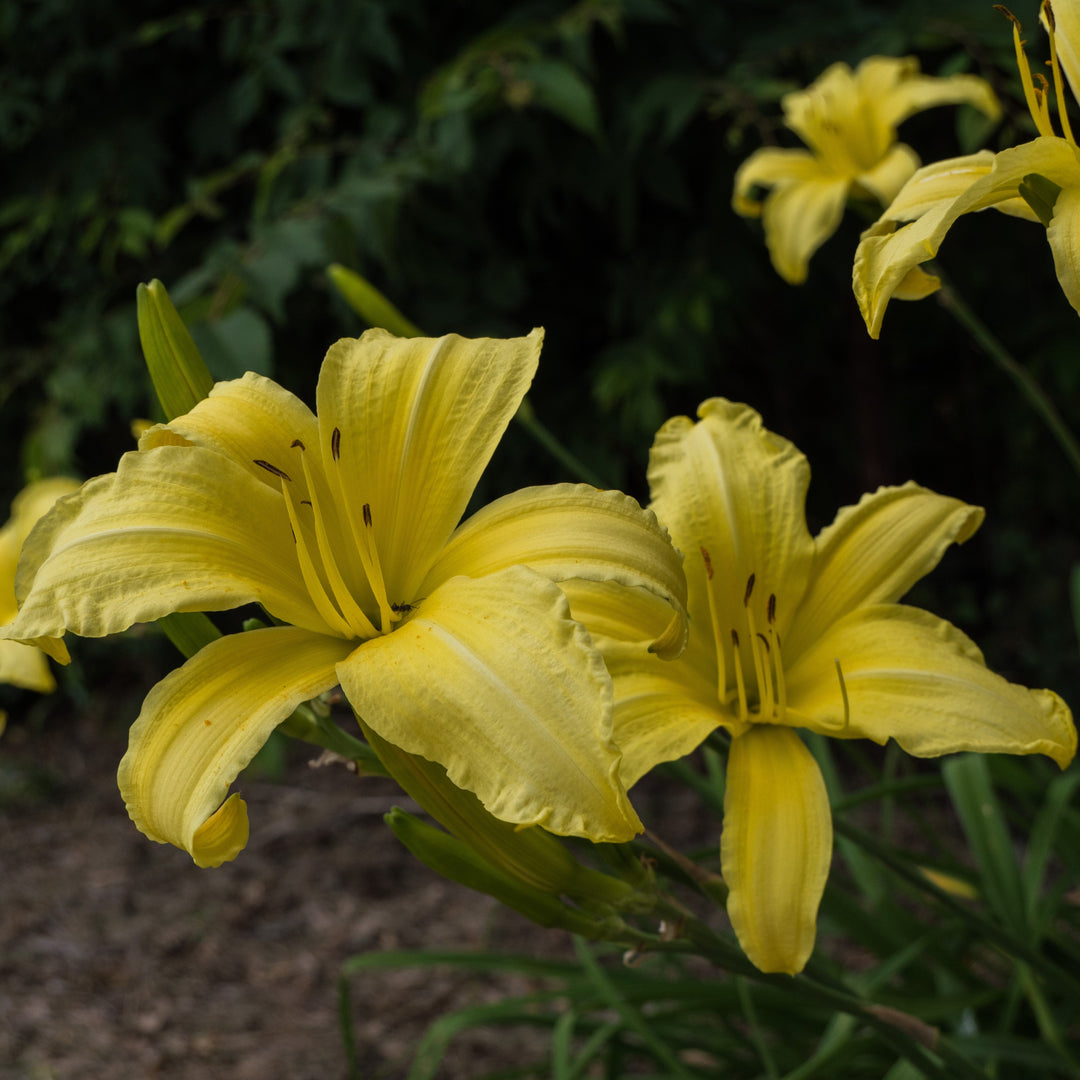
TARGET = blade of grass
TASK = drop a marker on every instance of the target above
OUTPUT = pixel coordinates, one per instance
(1044, 832)
(967, 779)
(630, 1017)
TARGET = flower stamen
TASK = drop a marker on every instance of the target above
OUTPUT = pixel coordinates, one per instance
(761, 659)
(351, 611)
(369, 556)
(739, 681)
(721, 664)
(1055, 67)
(843, 694)
(777, 660)
(1036, 103)
(316, 590)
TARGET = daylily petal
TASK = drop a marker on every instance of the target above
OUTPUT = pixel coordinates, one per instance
(569, 531)
(911, 95)
(205, 721)
(491, 678)
(664, 709)
(776, 846)
(884, 257)
(25, 666)
(1067, 39)
(173, 529)
(401, 407)
(770, 166)
(938, 183)
(798, 218)
(913, 677)
(1065, 243)
(890, 174)
(729, 485)
(249, 419)
(830, 117)
(875, 551)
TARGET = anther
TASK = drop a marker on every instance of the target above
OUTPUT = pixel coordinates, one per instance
(335, 443)
(708, 563)
(764, 640)
(295, 443)
(367, 514)
(1008, 15)
(770, 610)
(1048, 11)
(749, 590)
(273, 469)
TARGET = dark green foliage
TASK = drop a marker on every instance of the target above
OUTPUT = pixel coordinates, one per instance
(495, 167)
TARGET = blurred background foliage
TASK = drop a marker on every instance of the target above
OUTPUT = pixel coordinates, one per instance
(496, 166)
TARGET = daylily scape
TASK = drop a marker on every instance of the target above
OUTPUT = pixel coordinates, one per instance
(452, 642)
(791, 631)
(848, 119)
(1038, 181)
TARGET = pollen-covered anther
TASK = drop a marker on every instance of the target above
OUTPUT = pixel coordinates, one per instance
(335, 444)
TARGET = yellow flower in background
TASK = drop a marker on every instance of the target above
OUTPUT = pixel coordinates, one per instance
(1038, 180)
(452, 642)
(24, 665)
(848, 119)
(790, 631)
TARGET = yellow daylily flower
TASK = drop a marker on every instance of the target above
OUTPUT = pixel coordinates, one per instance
(24, 665)
(911, 230)
(791, 631)
(453, 643)
(848, 119)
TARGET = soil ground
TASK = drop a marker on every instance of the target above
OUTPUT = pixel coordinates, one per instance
(119, 959)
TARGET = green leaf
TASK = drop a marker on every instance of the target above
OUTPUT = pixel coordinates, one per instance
(1044, 832)
(561, 90)
(967, 778)
(235, 343)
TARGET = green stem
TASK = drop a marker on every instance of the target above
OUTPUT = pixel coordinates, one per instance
(308, 725)
(1029, 386)
(527, 418)
(916, 1041)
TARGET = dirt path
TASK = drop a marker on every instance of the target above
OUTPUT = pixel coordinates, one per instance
(120, 959)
